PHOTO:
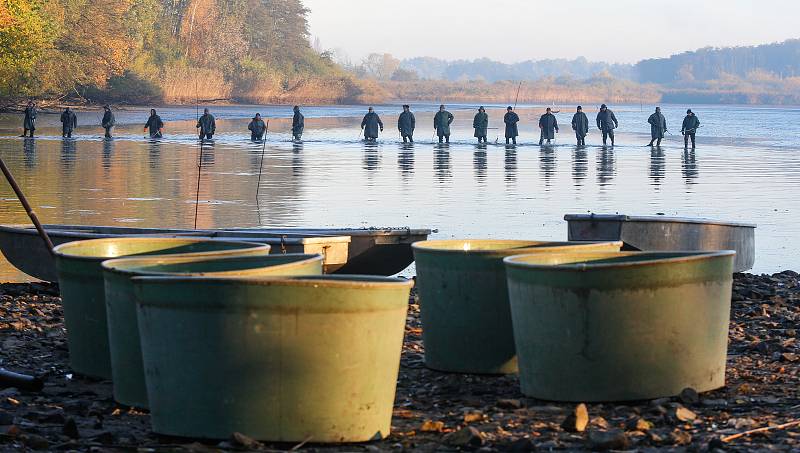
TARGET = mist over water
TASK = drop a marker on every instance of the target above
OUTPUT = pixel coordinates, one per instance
(746, 168)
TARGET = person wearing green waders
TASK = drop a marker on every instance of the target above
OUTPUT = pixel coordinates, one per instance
(511, 119)
(257, 128)
(68, 123)
(370, 124)
(481, 124)
(658, 126)
(298, 124)
(580, 124)
(548, 127)
(406, 124)
(29, 123)
(207, 125)
(441, 123)
(689, 128)
(108, 120)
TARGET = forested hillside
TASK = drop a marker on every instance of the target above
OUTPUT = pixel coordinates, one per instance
(165, 50)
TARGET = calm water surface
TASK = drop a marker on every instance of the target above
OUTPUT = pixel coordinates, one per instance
(746, 168)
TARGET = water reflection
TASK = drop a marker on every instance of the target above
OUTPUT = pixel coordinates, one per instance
(108, 151)
(154, 154)
(405, 160)
(372, 159)
(547, 164)
(689, 166)
(29, 152)
(510, 166)
(657, 165)
(207, 154)
(441, 163)
(606, 166)
(479, 163)
(67, 154)
(580, 165)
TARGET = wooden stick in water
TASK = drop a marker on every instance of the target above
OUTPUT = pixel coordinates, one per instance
(27, 206)
(264, 148)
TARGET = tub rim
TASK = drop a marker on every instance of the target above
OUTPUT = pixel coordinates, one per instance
(115, 265)
(62, 251)
(653, 259)
(527, 247)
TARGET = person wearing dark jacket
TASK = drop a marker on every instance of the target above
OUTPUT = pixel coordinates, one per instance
(370, 125)
(207, 125)
(689, 128)
(580, 124)
(298, 124)
(548, 127)
(511, 119)
(108, 120)
(481, 124)
(29, 123)
(257, 128)
(68, 122)
(658, 126)
(441, 123)
(406, 124)
(607, 122)
(154, 125)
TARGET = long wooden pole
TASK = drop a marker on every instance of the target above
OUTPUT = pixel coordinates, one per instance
(263, 148)
(27, 206)
(199, 155)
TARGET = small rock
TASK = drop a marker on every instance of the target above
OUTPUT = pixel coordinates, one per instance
(470, 417)
(6, 418)
(679, 437)
(9, 392)
(465, 437)
(718, 403)
(522, 444)
(509, 404)
(682, 414)
(244, 441)
(790, 357)
(639, 424)
(577, 420)
(614, 439)
(70, 429)
(36, 442)
(430, 426)
(689, 396)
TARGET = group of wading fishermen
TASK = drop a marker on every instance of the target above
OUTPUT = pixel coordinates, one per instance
(371, 125)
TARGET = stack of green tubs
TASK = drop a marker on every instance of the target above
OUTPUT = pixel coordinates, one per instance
(80, 278)
(288, 359)
(466, 319)
(123, 329)
(620, 326)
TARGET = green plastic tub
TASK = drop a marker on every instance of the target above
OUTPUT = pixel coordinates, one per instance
(466, 319)
(278, 359)
(123, 329)
(620, 326)
(80, 279)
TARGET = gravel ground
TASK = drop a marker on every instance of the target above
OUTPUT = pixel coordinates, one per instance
(440, 411)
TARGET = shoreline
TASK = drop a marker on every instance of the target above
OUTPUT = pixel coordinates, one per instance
(435, 410)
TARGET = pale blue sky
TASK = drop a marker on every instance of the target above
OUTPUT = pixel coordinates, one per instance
(516, 30)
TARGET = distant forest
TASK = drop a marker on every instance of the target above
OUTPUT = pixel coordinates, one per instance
(141, 51)
(258, 51)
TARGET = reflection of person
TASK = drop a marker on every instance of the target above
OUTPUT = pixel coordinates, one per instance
(607, 122)
(548, 126)
(154, 125)
(207, 125)
(406, 124)
(658, 126)
(108, 120)
(257, 128)
(29, 123)
(370, 124)
(68, 122)
(298, 123)
(481, 124)
(580, 124)
(511, 119)
(689, 128)
(441, 122)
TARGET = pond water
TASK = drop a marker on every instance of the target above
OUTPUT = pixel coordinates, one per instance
(746, 168)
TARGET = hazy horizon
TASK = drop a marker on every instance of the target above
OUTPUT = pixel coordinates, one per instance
(446, 29)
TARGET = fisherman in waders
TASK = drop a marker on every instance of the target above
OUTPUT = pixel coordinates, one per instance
(607, 122)
(154, 125)
(689, 128)
(108, 120)
(511, 119)
(29, 123)
(257, 128)
(481, 124)
(207, 125)
(548, 126)
(441, 123)
(370, 125)
(406, 124)
(298, 124)
(658, 126)
(68, 123)
(580, 124)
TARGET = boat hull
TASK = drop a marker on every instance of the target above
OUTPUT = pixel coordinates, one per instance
(661, 234)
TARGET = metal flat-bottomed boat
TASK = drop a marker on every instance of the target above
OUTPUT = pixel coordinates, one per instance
(661, 233)
(351, 251)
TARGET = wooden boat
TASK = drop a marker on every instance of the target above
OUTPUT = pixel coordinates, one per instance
(659, 233)
(346, 251)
